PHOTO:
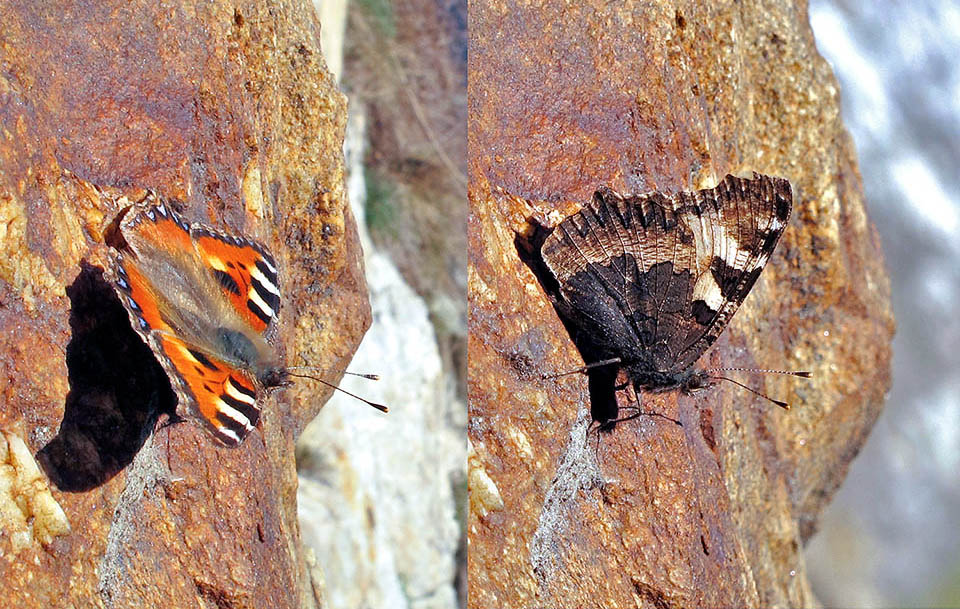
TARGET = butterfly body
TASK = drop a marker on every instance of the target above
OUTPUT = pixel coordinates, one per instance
(652, 280)
(203, 300)
(688, 381)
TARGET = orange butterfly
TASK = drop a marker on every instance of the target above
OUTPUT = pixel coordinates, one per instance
(202, 300)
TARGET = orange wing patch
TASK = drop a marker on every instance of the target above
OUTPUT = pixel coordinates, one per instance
(165, 229)
(246, 273)
(138, 297)
(225, 399)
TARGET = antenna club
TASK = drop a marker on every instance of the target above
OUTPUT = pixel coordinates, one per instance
(379, 407)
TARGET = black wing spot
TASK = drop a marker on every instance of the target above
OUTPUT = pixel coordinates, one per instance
(271, 299)
(235, 426)
(783, 207)
(727, 277)
(703, 313)
(260, 314)
(251, 413)
(226, 281)
(202, 359)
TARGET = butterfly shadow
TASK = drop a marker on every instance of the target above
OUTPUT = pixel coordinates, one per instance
(602, 380)
(118, 390)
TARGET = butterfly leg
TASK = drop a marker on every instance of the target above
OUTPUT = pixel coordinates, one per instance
(637, 411)
(584, 369)
(172, 419)
(640, 413)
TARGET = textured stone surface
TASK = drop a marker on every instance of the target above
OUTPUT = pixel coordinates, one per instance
(28, 512)
(666, 96)
(229, 108)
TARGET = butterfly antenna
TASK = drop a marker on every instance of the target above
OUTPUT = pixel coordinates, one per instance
(372, 377)
(783, 405)
(379, 407)
(800, 373)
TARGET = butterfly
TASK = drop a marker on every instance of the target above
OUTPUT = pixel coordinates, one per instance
(650, 281)
(203, 300)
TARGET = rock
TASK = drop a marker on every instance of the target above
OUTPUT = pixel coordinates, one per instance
(230, 109)
(565, 99)
(28, 512)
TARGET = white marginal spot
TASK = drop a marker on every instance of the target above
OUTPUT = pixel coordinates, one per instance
(707, 290)
(255, 298)
(229, 433)
(775, 224)
(269, 266)
(232, 392)
(233, 414)
(162, 210)
(263, 280)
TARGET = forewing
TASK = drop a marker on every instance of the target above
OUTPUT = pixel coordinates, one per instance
(152, 232)
(245, 272)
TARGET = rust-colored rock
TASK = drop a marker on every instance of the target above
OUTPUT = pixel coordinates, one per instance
(229, 108)
(565, 98)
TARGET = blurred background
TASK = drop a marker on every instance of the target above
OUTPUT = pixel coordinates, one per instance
(381, 497)
(891, 536)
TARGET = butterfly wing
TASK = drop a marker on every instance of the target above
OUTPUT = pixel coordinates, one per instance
(158, 230)
(246, 273)
(655, 279)
(224, 397)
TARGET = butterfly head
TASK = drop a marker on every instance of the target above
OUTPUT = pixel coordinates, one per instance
(275, 376)
(696, 381)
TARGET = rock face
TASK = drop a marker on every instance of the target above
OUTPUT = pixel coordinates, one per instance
(661, 96)
(230, 109)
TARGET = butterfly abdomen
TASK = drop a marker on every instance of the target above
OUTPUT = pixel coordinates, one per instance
(238, 347)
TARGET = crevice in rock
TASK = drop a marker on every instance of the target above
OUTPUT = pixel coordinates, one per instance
(144, 474)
